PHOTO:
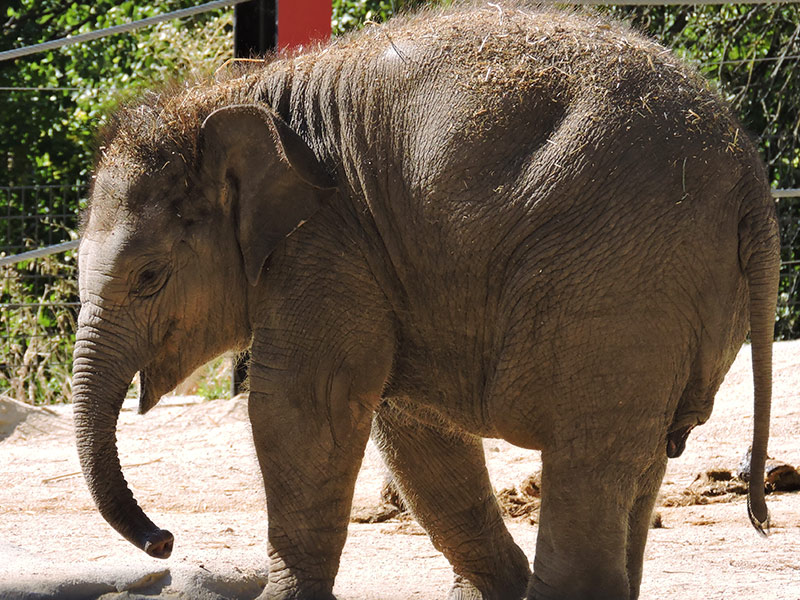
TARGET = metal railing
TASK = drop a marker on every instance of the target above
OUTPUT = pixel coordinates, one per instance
(116, 29)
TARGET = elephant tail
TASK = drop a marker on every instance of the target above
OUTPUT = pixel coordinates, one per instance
(759, 255)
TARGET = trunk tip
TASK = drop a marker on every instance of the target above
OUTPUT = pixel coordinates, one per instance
(159, 544)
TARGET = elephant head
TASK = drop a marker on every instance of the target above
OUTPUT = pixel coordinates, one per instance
(171, 256)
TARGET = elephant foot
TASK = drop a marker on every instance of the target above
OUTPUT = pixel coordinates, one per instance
(463, 590)
(273, 593)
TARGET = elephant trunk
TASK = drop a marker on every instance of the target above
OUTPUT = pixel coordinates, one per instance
(98, 397)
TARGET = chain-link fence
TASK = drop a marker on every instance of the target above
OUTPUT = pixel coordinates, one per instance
(38, 297)
(787, 325)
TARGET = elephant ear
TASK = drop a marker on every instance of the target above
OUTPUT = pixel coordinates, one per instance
(264, 175)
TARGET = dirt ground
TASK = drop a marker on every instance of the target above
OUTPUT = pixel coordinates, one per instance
(192, 467)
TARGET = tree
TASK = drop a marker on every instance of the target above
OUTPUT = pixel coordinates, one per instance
(46, 135)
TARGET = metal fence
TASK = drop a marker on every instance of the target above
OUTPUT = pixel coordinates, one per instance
(38, 296)
(788, 323)
(44, 213)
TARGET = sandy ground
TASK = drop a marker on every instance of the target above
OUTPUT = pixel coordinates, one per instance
(192, 466)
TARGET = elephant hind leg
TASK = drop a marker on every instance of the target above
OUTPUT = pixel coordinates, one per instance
(640, 519)
(443, 479)
(593, 527)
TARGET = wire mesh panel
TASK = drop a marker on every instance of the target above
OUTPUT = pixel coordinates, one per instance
(34, 216)
(787, 326)
(38, 298)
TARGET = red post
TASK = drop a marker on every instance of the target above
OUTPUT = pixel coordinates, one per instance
(301, 22)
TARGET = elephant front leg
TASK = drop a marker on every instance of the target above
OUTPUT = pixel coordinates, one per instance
(311, 407)
(443, 479)
(309, 477)
(311, 414)
(321, 354)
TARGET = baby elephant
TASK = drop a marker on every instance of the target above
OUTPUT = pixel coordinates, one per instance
(481, 222)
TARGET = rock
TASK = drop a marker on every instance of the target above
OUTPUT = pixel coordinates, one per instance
(24, 576)
(656, 522)
(12, 413)
(16, 415)
(781, 477)
(743, 470)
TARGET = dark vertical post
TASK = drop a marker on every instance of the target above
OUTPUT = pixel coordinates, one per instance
(255, 33)
(255, 30)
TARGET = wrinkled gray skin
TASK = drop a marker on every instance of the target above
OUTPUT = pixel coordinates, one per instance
(540, 228)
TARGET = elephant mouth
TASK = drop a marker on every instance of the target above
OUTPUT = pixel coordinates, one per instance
(676, 441)
(163, 373)
(154, 382)
(148, 397)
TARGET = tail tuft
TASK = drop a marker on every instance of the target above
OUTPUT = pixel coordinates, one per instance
(761, 524)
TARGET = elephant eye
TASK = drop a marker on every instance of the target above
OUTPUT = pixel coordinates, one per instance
(150, 280)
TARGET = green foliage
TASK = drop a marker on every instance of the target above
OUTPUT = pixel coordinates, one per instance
(37, 329)
(46, 136)
(212, 380)
(787, 325)
(740, 48)
(354, 14)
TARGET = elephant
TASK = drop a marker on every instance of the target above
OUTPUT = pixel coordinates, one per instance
(482, 221)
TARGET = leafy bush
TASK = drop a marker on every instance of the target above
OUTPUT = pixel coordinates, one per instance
(787, 324)
(48, 134)
(37, 329)
(48, 138)
(353, 14)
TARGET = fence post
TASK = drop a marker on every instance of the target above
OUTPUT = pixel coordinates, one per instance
(301, 22)
(255, 28)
